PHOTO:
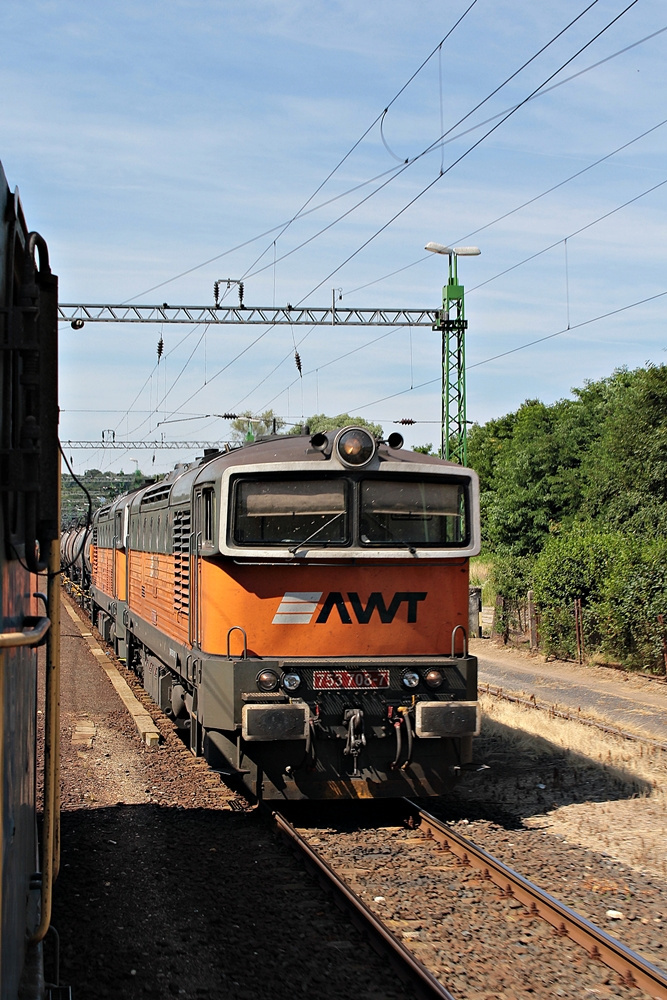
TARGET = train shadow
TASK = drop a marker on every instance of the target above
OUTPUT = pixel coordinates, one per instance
(156, 901)
(524, 774)
(516, 775)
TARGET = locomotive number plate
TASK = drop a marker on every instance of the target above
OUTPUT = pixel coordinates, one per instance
(327, 680)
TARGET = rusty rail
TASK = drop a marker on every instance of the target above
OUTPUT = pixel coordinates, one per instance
(409, 968)
(633, 969)
(558, 713)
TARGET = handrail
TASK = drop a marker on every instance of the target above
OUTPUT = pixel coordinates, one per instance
(31, 636)
(465, 639)
(237, 628)
(51, 820)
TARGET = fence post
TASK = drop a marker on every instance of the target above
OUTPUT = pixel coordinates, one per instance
(532, 620)
(661, 623)
(579, 629)
(474, 609)
(500, 623)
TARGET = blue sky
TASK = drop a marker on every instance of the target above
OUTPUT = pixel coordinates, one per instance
(146, 138)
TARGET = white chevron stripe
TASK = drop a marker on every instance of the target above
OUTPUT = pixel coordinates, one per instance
(297, 608)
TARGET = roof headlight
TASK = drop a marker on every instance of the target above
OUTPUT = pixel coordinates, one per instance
(291, 682)
(433, 678)
(267, 680)
(410, 678)
(355, 446)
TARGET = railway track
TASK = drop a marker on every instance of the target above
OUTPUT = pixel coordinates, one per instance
(568, 928)
(408, 967)
(634, 970)
(563, 713)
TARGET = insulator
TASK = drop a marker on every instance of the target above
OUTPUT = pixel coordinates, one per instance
(297, 361)
(216, 293)
(160, 348)
(240, 293)
(406, 421)
(230, 416)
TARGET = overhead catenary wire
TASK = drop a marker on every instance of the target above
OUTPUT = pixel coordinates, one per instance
(226, 366)
(278, 227)
(521, 347)
(474, 146)
(458, 159)
(500, 274)
(434, 145)
(282, 227)
(477, 143)
(518, 208)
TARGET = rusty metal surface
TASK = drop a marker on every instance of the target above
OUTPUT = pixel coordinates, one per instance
(408, 967)
(634, 970)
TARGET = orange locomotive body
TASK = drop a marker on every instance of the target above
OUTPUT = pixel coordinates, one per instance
(300, 605)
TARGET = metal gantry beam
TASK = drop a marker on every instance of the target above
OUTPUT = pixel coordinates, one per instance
(119, 445)
(452, 324)
(78, 315)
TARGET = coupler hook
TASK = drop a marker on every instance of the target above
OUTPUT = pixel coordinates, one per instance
(354, 720)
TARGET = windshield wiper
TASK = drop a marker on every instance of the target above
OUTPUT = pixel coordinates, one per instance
(295, 548)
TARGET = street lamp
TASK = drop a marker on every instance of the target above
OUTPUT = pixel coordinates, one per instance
(453, 432)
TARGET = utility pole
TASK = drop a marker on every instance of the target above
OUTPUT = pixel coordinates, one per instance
(452, 324)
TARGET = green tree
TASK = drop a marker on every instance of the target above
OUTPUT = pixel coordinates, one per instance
(626, 468)
(320, 422)
(248, 427)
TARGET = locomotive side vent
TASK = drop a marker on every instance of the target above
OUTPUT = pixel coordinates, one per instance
(182, 561)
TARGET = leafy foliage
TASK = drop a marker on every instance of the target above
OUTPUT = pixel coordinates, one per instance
(320, 422)
(247, 427)
(574, 505)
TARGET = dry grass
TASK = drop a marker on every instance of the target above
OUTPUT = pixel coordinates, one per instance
(631, 825)
(480, 576)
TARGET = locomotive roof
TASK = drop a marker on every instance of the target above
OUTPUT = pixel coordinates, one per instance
(176, 487)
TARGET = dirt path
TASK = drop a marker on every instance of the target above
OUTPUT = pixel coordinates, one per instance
(627, 701)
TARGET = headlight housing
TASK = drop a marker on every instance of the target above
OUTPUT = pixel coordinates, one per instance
(291, 682)
(410, 678)
(267, 680)
(434, 678)
(354, 446)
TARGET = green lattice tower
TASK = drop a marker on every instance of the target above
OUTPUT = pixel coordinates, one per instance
(453, 441)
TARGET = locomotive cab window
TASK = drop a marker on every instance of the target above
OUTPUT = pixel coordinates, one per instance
(285, 512)
(206, 516)
(413, 513)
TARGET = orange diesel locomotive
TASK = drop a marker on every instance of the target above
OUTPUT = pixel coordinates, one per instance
(300, 605)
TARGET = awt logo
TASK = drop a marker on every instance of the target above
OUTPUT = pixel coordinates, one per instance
(298, 608)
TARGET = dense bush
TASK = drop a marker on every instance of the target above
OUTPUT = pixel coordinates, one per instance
(635, 595)
(574, 506)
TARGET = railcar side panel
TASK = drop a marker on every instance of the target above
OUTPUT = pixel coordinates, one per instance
(120, 570)
(102, 560)
(29, 526)
(153, 595)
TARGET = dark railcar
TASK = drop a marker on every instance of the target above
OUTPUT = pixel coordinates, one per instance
(29, 525)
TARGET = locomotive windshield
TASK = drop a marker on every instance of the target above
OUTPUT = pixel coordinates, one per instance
(280, 512)
(416, 513)
(369, 512)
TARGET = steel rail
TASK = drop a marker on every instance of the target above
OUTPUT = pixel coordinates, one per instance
(564, 713)
(634, 970)
(407, 966)
(78, 314)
